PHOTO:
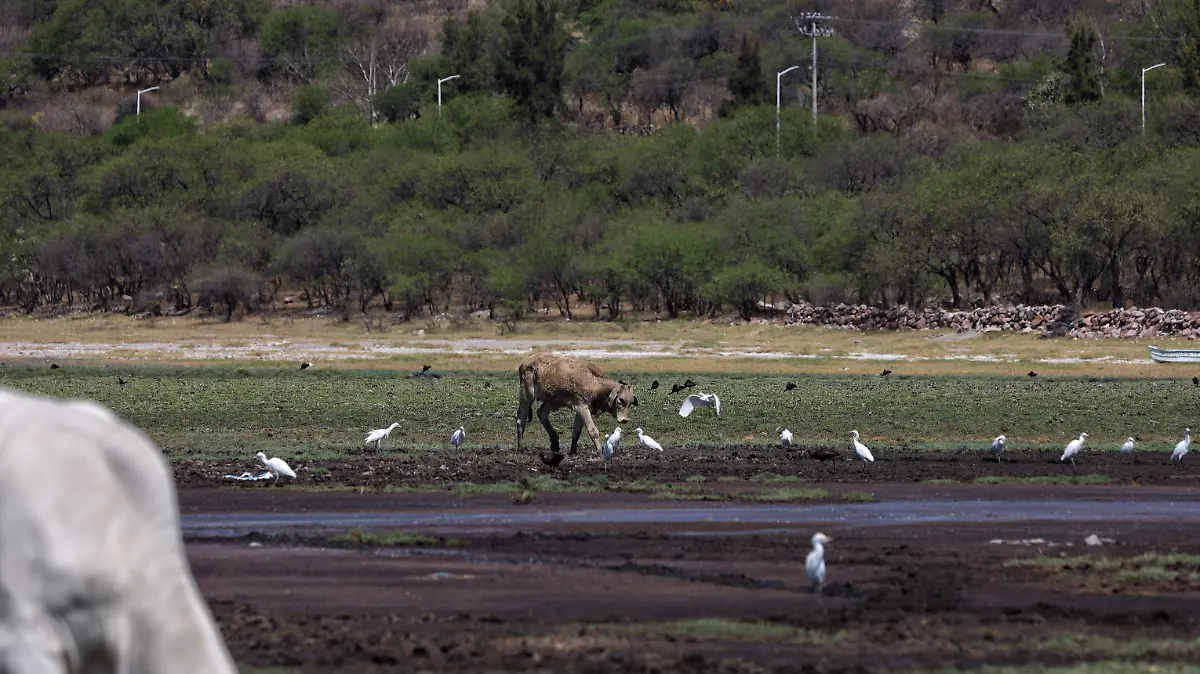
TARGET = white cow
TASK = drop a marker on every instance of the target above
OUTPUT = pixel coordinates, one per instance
(93, 576)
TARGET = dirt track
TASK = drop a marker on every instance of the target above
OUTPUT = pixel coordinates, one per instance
(602, 597)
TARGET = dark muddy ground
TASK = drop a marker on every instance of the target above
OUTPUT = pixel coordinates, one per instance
(891, 466)
(651, 598)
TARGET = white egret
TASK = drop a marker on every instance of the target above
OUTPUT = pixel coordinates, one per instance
(861, 450)
(1073, 448)
(815, 563)
(700, 400)
(647, 440)
(1127, 448)
(998, 446)
(611, 444)
(379, 434)
(459, 436)
(785, 438)
(1182, 448)
(277, 466)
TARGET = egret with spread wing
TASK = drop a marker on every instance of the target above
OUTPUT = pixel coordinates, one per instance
(785, 438)
(700, 400)
(998, 446)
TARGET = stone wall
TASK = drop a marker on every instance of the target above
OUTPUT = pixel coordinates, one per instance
(1053, 320)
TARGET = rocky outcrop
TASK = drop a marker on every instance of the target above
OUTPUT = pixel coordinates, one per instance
(1052, 321)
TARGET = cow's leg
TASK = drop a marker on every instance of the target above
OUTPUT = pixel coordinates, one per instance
(576, 431)
(586, 414)
(544, 415)
(524, 414)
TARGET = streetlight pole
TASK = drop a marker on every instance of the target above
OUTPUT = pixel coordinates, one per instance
(778, 75)
(444, 79)
(139, 98)
(1144, 71)
(809, 24)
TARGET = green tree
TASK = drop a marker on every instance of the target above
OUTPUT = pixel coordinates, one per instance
(743, 286)
(530, 62)
(747, 84)
(83, 37)
(301, 40)
(311, 102)
(1081, 64)
(468, 51)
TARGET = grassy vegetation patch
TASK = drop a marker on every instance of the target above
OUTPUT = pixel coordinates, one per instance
(1150, 566)
(787, 494)
(1044, 479)
(1115, 667)
(774, 478)
(359, 538)
(858, 497)
(708, 629)
(218, 412)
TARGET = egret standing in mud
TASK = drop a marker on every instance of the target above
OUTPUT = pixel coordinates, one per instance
(647, 440)
(998, 446)
(379, 434)
(815, 563)
(1073, 448)
(785, 438)
(1127, 448)
(861, 450)
(611, 444)
(277, 467)
(459, 436)
(1182, 448)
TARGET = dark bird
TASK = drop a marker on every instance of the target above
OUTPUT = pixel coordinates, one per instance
(121, 381)
(689, 383)
(53, 366)
(305, 366)
(824, 453)
(654, 385)
(789, 386)
(676, 388)
(1196, 381)
(426, 373)
(553, 459)
(1032, 373)
(885, 373)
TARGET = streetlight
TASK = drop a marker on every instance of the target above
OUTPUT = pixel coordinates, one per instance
(1144, 71)
(778, 75)
(139, 98)
(444, 79)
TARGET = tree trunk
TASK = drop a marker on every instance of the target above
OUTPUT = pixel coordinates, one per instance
(1114, 280)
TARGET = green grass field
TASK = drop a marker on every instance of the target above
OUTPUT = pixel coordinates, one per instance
(215, 412)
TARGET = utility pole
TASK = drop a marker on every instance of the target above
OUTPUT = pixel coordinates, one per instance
(809, 23)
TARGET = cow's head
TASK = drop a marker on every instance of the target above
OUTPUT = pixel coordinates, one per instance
(619, 400)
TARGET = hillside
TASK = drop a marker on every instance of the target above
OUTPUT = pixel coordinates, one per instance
(965, 153)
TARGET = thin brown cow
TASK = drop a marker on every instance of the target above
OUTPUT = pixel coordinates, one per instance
(559, 382)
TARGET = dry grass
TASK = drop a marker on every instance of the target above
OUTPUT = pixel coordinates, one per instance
(811, 349)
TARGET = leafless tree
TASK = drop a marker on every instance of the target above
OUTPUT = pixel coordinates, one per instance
(379, 59)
